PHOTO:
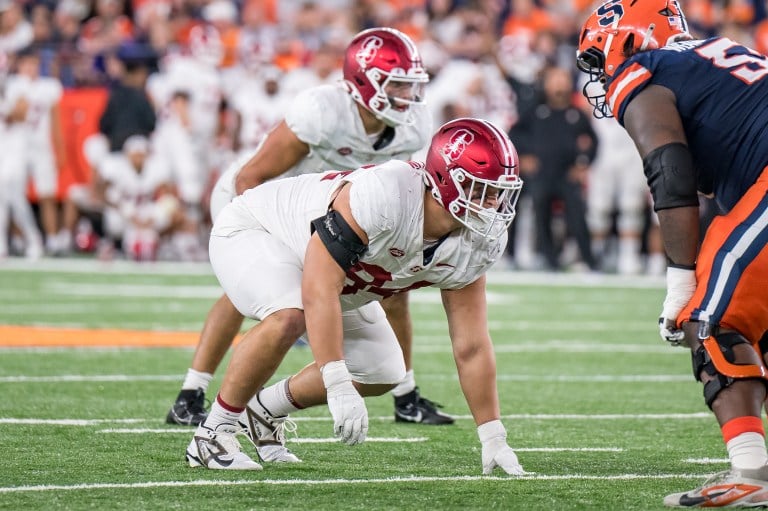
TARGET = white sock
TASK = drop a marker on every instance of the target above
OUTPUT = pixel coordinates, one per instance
(747, 450)
(275, 399)
(220, 415)
(196, 380)
(405, 386)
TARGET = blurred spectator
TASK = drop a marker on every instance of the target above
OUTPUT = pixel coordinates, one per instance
(129, 110)
(556, 144)
(33, 105)
(142, 208)
(15, 30)
(195, 72)
(174, 145)
(107, 30)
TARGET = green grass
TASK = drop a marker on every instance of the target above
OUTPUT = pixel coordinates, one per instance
(579, 367)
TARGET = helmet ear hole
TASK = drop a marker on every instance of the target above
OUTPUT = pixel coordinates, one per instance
(629, 46)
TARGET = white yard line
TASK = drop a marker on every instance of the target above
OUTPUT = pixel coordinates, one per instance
(497, 275)
(595, 378)
(334, 482)
(384, 418)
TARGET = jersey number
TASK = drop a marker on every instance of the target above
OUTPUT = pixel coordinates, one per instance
(747, 68)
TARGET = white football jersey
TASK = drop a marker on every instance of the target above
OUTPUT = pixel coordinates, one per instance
(387, 202)
(42, 94)
(326, 119)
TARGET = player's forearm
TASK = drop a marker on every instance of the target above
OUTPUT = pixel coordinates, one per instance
(477, 376)
(680, 232)
(324, 328)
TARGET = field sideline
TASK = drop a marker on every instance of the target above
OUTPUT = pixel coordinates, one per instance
(602, 414)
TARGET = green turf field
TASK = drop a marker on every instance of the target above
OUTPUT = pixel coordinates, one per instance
(603, 413)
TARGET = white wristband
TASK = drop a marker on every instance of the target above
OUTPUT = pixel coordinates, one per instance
(490, 430)
(335, 373)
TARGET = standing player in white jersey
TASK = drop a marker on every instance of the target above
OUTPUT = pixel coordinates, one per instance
(373, 116)
(340, 241)
(39, 144)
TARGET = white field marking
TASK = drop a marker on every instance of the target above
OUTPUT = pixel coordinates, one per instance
(66, 309)
(706, 461)
(76, 378)
(69, 422)
(386, 418)
(560, 346)
(496, 275)
(548, 325)
(597, 378)
(133, 290)
(329, 482)
(329, 440)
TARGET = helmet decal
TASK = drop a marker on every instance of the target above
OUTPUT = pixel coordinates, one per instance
(368, 50)
(455, 147)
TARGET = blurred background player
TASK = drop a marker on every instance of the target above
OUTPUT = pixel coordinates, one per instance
(374, 115)
(34, 120)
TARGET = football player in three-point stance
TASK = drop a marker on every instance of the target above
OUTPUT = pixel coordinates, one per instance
(296, 253)
(376, 114)
(697, 111)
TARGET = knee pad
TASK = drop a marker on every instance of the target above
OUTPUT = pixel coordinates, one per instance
(716, 357)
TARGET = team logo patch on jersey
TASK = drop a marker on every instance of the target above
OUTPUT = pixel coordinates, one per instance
(415, 269)
(368, 51)
(457, 144)
(344, 151)
(396, 252)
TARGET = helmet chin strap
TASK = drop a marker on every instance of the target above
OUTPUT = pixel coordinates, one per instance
(647, 38)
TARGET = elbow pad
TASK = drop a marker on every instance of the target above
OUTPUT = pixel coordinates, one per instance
(671, 176)
(343, 243)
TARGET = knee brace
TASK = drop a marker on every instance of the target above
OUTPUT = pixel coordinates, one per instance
(715, 356)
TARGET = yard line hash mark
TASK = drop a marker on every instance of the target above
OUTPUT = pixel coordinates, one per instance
(329, 482)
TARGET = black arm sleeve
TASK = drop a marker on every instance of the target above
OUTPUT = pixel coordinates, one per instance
(343, 243)
(671, 176)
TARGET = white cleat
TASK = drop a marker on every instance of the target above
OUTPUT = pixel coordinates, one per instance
(732, 488)
(267, 433)
(218, 450)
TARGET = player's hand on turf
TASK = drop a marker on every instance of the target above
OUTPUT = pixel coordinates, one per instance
(496, 452)
(350, 416)
(681, 284)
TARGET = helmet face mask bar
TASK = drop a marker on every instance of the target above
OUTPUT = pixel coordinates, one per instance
(472, 171)
(469, 207)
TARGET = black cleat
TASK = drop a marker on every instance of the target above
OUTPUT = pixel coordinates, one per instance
(189, 408)
(414, 408)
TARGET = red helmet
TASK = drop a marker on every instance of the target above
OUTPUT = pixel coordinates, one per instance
(383, 72)
(617, 30)
(471, 162)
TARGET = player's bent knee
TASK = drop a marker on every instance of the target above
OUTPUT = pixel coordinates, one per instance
(373, 389)
(721, 360)
(289, 322)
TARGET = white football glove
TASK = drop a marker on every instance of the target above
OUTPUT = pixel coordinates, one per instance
(496, 452)
(350, 416)
(681, 283)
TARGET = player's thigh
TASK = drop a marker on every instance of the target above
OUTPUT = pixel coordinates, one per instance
(732, 267)
(259, 273)
(44, 175)
(371, 350)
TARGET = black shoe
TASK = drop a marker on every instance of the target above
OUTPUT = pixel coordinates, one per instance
(189, 408)
(414, 408)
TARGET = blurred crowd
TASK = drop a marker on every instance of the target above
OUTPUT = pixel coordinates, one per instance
(195, 84)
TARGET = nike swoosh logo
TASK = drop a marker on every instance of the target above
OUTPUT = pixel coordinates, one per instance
(411, 418)
(207, 454)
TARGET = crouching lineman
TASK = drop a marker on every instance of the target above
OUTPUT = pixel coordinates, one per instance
(338, 241)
